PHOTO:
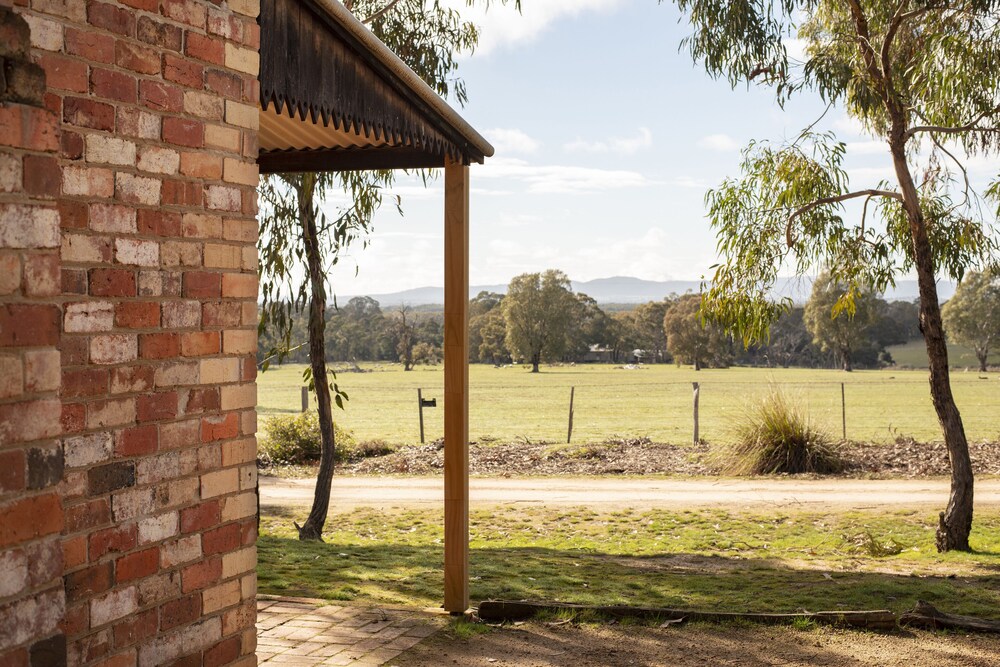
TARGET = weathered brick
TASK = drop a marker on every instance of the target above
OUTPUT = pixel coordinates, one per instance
(113, 219)
(185, 11)
(239, 341)
(184, 550)
(45, 34)
(131, 379)
(86, 249)
(206, 48)
(30, 227)
(42, 370)
(159, 223)
(29, 127)
(197, 225)
(183, 71)
(178, 253)
(42, 176)
(184, 132)
(249, 8)
(115, 412)
(180, 611)
(159, 160)
(219, 371)
(117, 539)
(11, 377)
(113, 85)
(242, 115)
(42, 276)
(181, 314)
(88, 182)
(182, 193)
(29, 325)
(239, 171)
(221, 596)
(88, 515)
(198, 518)
(133, 122)
(201, 575)
(86, 583)
(111, 18)
(83, 112)
(137, 565)
(156, 407)
(64, 73)
(137, 315)
(110, 477)
(158, 528)
(13, 572)
(137, 189)
(11, 172)
(30, 518)
(90, 45)
(113, 605)
(159, 34)
(200, 343)
(109, 150)
(136, 252)
(239, 285)
(161, 96)
(242, 59)
(113, 349)
(87, 449)
(135, 629)
(200, 285)
(220, 427)
(45, 467)
(159, 346)
(238, 507)
(183, 373)
(136, 57)
(112, 282)
(137, 441)
(225, 138)
(203, 105)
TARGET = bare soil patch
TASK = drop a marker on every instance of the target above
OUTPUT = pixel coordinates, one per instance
(903, 458)
(568, 645)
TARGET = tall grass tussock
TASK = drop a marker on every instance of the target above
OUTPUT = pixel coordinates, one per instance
(774, 436)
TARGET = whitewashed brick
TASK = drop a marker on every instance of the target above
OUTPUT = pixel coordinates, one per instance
(137, 253)
(112, 606)
(86, 450)
(89, 316)
(158, 528)
(113, 349)
(110, 150)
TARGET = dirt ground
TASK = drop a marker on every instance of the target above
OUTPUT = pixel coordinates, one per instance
(540, 644)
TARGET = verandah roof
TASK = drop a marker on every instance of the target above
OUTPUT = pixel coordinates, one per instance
(334, 97)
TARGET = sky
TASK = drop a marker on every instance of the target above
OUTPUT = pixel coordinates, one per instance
(607, 138)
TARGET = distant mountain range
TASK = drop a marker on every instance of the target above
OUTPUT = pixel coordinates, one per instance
(625, 289)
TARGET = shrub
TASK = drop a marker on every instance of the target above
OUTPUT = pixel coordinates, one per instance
(296, 439)
(774, 437)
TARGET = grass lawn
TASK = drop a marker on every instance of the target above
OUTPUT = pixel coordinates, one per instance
(704, 559)
(914, 355)
(511, 403)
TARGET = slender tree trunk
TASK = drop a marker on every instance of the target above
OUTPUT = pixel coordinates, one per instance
(845, 359)
(982, 355)
(535, 360)
(955, 523)
(312, 529)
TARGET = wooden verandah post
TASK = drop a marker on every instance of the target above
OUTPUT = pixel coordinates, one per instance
(456, 387)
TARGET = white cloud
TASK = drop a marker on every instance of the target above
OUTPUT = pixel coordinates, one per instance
(870, 147)
(552, 179)
(720, 143)
(619, 145)
(508, 140)
(503, 26)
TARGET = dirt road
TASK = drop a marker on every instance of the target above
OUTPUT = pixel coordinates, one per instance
(388, 492)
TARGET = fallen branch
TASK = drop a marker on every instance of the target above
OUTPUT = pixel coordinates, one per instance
(925, 615)
(504, 610)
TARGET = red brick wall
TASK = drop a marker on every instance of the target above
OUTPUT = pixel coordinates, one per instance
(31, 515)
(153, 180)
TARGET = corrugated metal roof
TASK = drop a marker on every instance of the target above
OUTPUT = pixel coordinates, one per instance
(335, 96)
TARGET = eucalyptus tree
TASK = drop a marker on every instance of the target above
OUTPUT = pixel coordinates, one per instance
(841, 333)
(299, 245)
(921, 75)
(295, 234)
(972, 316)
(538, 310)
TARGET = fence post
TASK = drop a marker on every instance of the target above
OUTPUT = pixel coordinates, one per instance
(697, 393)
(420, 404)
(305, 399)
(569, 433)
(843, 411)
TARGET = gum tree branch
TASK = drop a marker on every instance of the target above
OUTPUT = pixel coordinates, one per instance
(833, 200)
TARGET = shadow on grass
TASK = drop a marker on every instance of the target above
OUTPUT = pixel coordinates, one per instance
(390, 573)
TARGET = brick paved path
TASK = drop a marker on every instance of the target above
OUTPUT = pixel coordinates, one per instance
(305, 633)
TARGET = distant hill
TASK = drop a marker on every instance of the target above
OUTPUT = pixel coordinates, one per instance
(628, 290)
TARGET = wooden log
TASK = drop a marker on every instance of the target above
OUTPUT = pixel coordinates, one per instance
(926, 615)
(503, 610)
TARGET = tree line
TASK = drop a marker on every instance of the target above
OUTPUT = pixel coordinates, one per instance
(541, 320)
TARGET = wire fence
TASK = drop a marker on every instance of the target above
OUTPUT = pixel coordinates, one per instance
(675, 412)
